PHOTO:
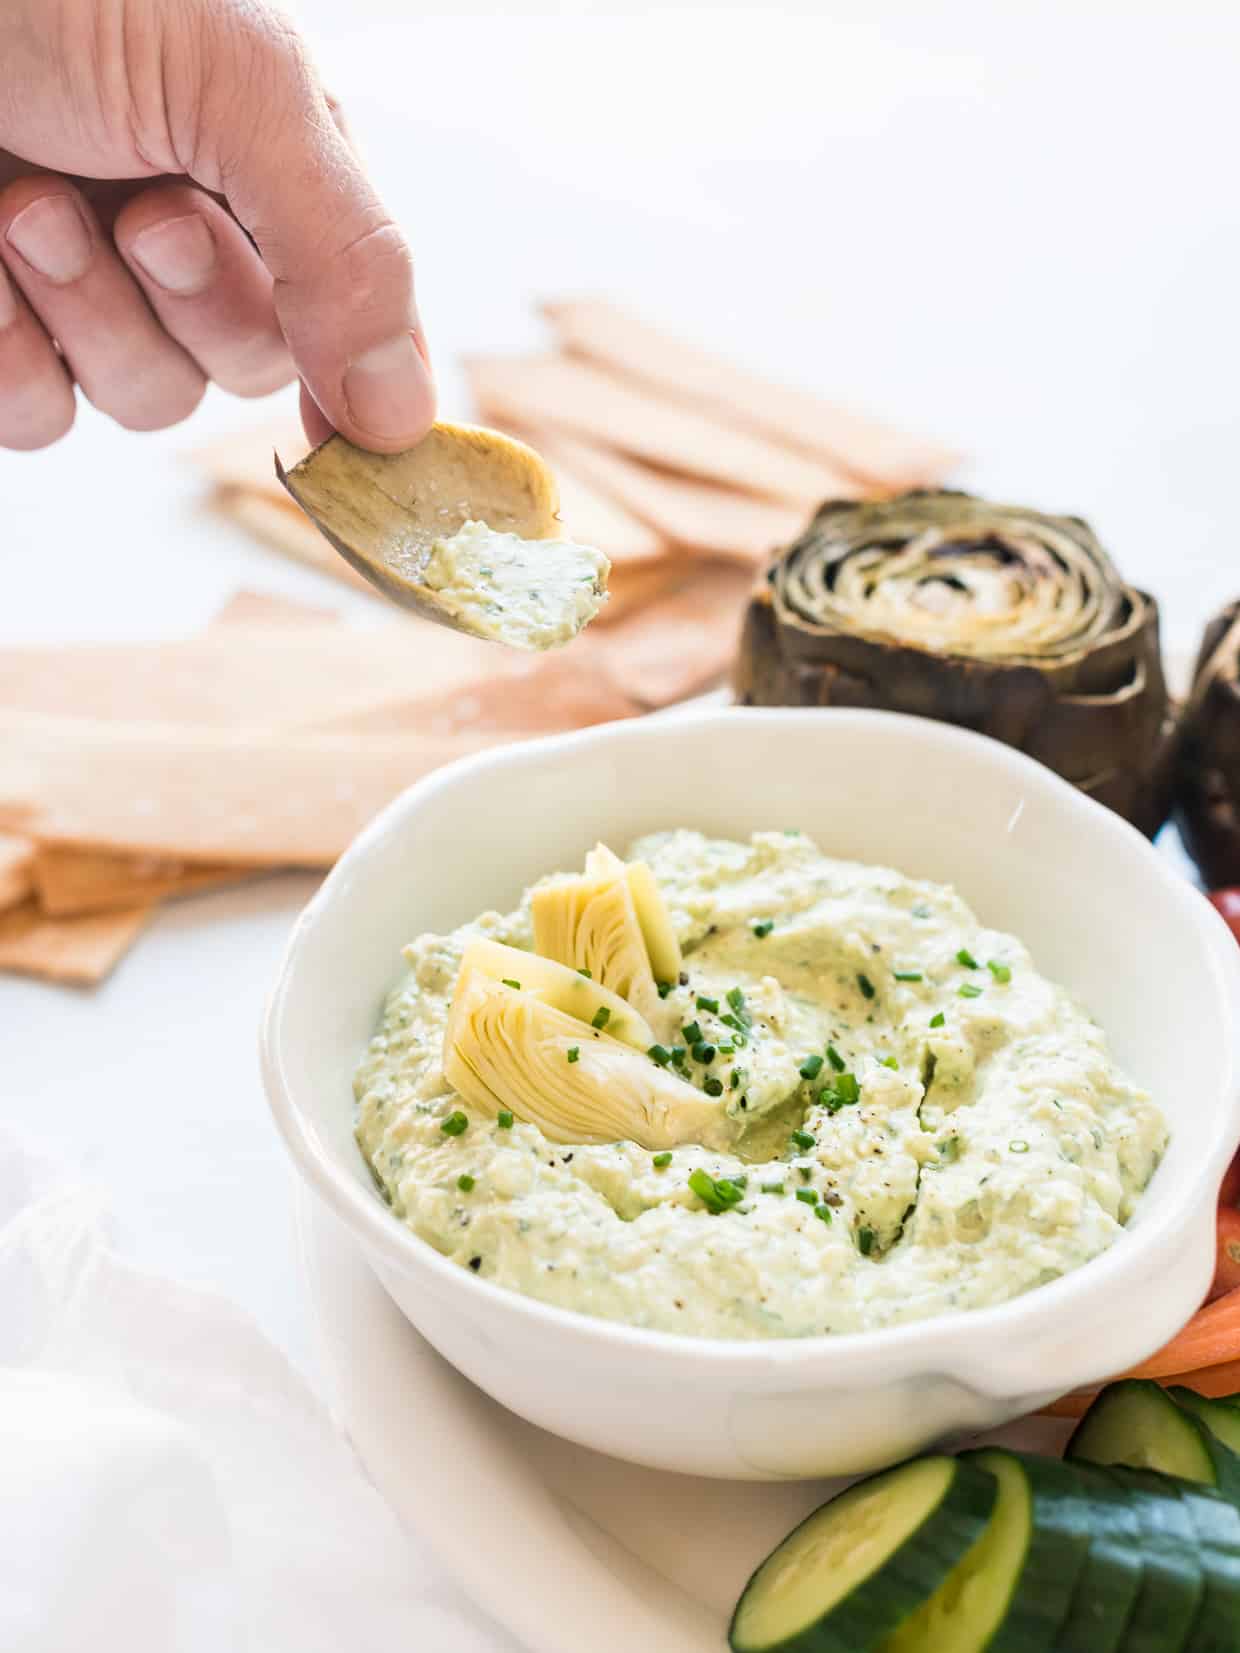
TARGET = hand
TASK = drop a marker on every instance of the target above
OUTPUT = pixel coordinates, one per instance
(180, 203)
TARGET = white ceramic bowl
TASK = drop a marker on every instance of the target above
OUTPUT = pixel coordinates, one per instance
(1101, 911)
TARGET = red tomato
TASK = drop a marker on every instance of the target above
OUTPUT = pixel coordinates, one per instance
(1227, 1264)
(1229, 1188)
(1227, 902)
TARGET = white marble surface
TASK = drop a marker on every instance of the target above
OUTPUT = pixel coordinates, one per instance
(1017, 227)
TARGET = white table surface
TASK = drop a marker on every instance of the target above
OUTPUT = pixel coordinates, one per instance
(1015, 227)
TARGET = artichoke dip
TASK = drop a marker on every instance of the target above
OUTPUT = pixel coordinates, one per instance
(744, 1090)
(530, 595)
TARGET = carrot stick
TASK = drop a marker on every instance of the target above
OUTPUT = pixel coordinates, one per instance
(1211, 1338)
(1215, 1382)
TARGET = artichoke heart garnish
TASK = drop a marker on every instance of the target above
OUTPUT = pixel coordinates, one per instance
(556, 984)
(509, 1049)
(613, 923)
(1004, 619)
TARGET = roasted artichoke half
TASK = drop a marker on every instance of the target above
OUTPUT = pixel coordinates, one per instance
(1208, 777)
(999, 618)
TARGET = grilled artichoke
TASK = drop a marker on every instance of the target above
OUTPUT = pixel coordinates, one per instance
(1208, 775)
(611, 922)
(992, 616)
(510, 1049)
(568, 990)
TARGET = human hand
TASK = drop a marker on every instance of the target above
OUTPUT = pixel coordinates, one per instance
(180, 203)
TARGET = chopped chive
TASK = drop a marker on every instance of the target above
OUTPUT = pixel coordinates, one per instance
(727, 1050)
(866, 986)
(889, 1062)
(737, 1078)
(1020, 1146)
(968, 991)
(736, 999)
(713, 1087)
(740, 1040)
(704, 1053)
(949, 1149)
(741, 1179)
(665, 988)
(835, 1059)
(585, 973)
(802, 1139)
(729, 1020)
(811, 1067)
(455, 1124)
(763, 927)
(1000, 971)
(703, 1003)
(508, 982)
(823, 1213)
(574, 1052)
(601, 1017)
(921, 910)
(659, 1054)
(908, 975)
(504, 1119)
(773, 1188)
(847, 1088)
(938, 1019)
(807, 1196)
(806, 1171)
(865, 1241)
(465, 1182)
(691, 1033)
(965, 957)
(717, 1196)
(662, 1161)
(678, 1056)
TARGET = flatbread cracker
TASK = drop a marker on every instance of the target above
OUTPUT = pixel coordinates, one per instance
(225, 795)
(699, 516)
(266, 608)
(562, 393)
(866, 447)
(17, 858)
(77, 951)
(282, 526)
(70, 882)
(682, 645)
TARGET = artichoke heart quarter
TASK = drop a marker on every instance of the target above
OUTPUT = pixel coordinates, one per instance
(510, 1049)
(568, 990)
(592, 923)
(1003, 619)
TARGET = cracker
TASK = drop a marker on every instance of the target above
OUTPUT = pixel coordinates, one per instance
(69, 882)
(591, 518)
(560, 393)
(231, 796)
(266, 608)
(866, 447)
(700, 516)
(681, 646)
(77, 951)
(17, 858)
(284, 527)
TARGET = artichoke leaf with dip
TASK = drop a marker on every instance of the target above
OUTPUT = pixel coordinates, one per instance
(1208, 775)
(579, 996)
(999, 618)
(506, 1049)
(463, 529)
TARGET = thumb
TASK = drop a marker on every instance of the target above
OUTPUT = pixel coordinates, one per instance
(343, 275)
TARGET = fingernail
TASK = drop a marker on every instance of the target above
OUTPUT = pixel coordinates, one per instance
(8, 302)
(51, 235)
(387, 389)
(178, 255)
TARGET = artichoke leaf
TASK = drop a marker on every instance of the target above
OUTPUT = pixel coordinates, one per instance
(505, 1049)
(462, 529)
(997, 617)
(568, 990)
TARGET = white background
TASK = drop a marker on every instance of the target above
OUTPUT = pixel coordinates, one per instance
(1015, 227)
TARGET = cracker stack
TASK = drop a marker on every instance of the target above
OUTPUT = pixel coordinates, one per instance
(130, 775)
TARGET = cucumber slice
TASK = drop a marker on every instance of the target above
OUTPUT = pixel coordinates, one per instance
(1222, 1420)
(1216, 1522)
(862, 1564)
(1137, 1423)
(1110, 1582)
(1012, 1591)
(1173, 1583)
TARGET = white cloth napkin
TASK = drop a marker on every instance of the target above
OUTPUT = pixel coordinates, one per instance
(168, 1483)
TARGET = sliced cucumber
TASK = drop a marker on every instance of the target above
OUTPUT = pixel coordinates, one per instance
(1216, 1522)
(1011, 1593)
(1137, 1423)
(1172, 1584)
(1222, 1420)
(861, 1565)
(1110, 1582)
